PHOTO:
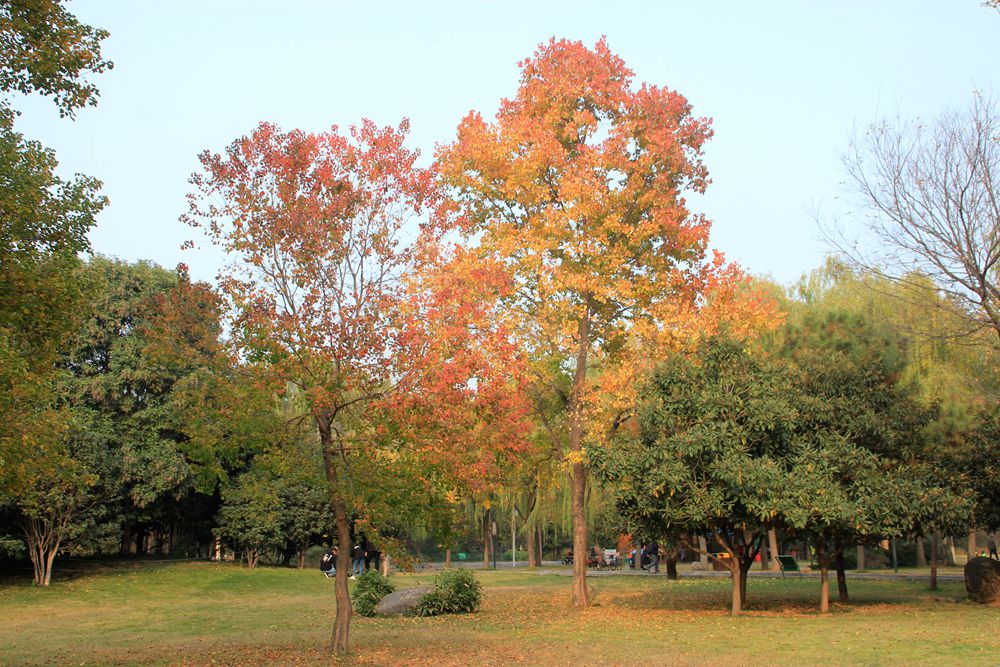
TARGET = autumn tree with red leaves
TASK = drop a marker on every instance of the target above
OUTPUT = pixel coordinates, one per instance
(341, 287)
(317, 227)
(577, 189)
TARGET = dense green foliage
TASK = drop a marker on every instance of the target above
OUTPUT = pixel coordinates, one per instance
(456, 591)
(369, 588)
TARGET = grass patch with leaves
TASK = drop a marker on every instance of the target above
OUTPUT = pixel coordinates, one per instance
(200, 613)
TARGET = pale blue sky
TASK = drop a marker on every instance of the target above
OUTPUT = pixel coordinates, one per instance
(785, 82)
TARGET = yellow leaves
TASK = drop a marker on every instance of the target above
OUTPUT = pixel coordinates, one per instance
(573, 457)
(452, 497)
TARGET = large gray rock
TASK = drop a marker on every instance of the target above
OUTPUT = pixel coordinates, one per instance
(401, 603)
(982, 580)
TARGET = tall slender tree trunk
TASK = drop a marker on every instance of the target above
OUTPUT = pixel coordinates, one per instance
(333, 463)
(772, 541)
(538, 544)
(861, 557)
(841, 574)
(578, 473)
(671, 565)
(486, 539)
(921, 555)
(765, 555)
(934, 561)
(824, 589)
(970, 545)
(530, 535)
(447, 558)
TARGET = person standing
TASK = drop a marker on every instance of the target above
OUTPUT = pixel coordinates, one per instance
(992, 546)
(654, 557)
(358, 557)
(371, 555)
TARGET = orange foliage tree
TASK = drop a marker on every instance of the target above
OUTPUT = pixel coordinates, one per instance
(577, 190)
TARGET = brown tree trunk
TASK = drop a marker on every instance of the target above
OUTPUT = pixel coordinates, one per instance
(302, 558)
(332, 462)
(530, 536)
(921, 556)
(824, 576)
(538, 545)
(737, 591)
(934, 561)
(744, 575)
(950, 558)
(841, 575)
(970, 545)
(824, 589)
(861, 557)
(49, 559)
(486, 539)
(772, 540)
(765, 555)
(578, 474)
(447, 558)
(581, 596)
(671, 565)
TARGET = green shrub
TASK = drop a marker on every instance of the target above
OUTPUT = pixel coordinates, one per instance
(456, 591)
(369, 588)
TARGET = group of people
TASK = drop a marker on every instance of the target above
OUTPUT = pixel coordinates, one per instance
(648, 557)
(363, 554)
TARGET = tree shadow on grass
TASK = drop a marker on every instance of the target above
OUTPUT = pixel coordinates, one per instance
(799, 598)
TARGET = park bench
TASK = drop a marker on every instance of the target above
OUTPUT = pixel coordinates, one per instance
(788, 564)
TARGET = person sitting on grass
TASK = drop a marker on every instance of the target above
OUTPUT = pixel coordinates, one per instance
(328, 563)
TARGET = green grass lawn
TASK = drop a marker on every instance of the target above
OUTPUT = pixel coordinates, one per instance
(203, 613)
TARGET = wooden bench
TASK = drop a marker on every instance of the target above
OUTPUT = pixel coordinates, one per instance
(788, 564)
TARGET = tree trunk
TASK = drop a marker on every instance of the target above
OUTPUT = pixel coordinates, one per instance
(934, 561)
(765, 555)
(530, 536)
(921, 556)
(486, 539)
(447, 558)
(385, 564)
(861, 557)
(824, 589)
(737, 592)
(772, 540)
(703, 547)
(578, 475)
(671, 566)
(950, 553)
(302, 558)
(744, 575)
(841, 575)
(333, 461)
(538, 545)
(970, 545)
